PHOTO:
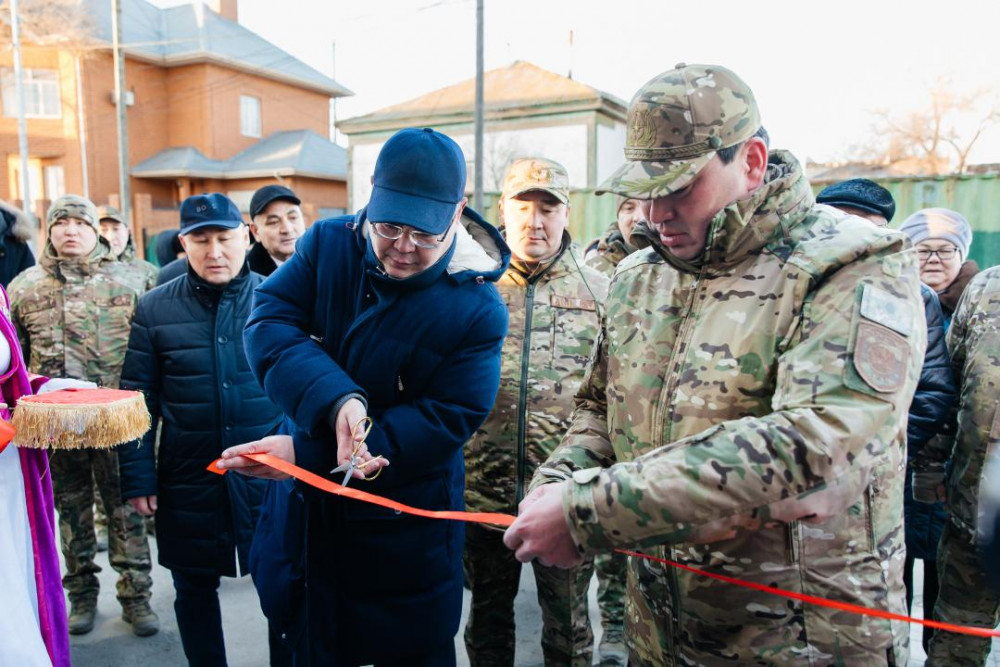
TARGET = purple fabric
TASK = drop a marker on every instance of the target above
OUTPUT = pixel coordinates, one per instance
(41, 513)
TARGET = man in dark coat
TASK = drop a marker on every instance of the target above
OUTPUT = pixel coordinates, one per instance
(277, 223)
(185, 353)
(15, 254)
(389, 314)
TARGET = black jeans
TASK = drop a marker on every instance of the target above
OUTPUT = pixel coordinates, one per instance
(199, 620)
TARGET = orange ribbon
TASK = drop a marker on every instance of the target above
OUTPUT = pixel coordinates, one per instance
(506, 520)
(324, 484)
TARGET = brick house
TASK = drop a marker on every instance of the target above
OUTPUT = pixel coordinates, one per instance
(211, 107)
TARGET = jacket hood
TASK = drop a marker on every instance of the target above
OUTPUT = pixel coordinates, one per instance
(478, 252)
(746, 225)
(60, 267)
(14, 223)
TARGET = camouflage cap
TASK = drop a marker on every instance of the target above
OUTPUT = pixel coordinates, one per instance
(73, 206)
(536, 173)
(676, 123)
(109, 212)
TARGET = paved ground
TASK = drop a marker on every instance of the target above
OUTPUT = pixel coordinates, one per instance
(112, 643)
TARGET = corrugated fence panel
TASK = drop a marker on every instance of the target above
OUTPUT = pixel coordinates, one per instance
(976, 196)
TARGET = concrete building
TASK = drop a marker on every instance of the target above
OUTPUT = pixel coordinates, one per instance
(528, 111)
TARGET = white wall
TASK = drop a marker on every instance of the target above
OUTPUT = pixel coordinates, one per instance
(610, 150)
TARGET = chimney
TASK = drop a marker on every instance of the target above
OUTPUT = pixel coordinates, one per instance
(227, 9)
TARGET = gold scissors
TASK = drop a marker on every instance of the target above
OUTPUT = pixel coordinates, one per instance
(364, 426)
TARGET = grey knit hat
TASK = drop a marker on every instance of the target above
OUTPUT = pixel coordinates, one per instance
(939, 223)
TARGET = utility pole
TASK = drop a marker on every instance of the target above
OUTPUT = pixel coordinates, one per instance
(333, 102)
(124, 191)
(477, 197)
(22, 126)
(81, 125)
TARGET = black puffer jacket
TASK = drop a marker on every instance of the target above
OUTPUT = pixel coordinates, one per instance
(185, 352)
(931, 412)
(15, 254)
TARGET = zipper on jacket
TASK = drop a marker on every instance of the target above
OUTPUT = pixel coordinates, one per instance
(522, 399)
(669, 387)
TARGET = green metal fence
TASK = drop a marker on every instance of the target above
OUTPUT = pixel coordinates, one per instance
(976, 196)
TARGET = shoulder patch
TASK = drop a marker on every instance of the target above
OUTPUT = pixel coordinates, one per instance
(886, 309)
(881, 357)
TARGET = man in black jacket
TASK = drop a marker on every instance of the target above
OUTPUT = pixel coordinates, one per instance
(277, 223)
(185, 353)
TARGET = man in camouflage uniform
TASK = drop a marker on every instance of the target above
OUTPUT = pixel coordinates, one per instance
(553, 299)
(72, 313)
(119, 237)
(604, 254)
(118, 234)
(745, 409)
(966, 597)
(613, 246)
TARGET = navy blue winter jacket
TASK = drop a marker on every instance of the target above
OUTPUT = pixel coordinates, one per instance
(185, 353)
(424, 352)
(931, 412)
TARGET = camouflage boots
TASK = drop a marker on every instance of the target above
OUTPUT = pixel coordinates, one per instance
(141, 617)
(81, 616)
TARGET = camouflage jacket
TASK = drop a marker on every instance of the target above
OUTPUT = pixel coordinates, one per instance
(607, 252)
(746, 415)
(144, 274)
(553, 326)
(974, 345)
(73, 317)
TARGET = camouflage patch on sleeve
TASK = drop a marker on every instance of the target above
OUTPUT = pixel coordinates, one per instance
(880, 357)
(883, 308)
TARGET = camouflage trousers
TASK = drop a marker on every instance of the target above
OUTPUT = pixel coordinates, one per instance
(610, 569)
(965, 598)
(493, 575)
(74, 473)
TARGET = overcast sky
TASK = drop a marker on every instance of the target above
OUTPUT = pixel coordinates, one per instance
(817, 69)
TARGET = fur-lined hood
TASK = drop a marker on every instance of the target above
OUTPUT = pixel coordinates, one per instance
(15, 224)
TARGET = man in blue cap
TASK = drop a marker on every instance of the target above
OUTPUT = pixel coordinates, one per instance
(185, 353)
(389, 315)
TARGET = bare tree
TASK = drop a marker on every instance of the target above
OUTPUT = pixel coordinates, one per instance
(49, 22)
(937, 138)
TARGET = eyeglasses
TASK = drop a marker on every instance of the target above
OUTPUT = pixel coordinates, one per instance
(943, 254)
(419, 239)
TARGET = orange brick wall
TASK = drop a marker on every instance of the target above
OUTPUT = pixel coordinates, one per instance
(195, 105)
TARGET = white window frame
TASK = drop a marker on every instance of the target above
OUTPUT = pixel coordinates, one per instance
(250, 116)
(41, 93)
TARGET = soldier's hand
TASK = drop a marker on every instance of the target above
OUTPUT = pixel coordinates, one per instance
(280, 446)
(541, 532)
(144, 505)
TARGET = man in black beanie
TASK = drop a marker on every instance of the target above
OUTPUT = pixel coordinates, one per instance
(861, 197)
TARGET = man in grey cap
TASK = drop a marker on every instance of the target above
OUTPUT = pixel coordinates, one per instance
(744, 411)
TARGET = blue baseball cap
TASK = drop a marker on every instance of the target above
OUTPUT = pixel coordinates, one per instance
(419, 180)
(209, 210)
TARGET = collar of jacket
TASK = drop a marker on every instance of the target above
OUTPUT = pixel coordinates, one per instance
(478, 252)
(260, 260)
(78, 267)
(553, 267)
(746, 225)
(950, 295)
(208, 294)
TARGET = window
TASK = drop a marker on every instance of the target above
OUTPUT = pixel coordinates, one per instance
(55, 182)
(249, 116)
(41, 93)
